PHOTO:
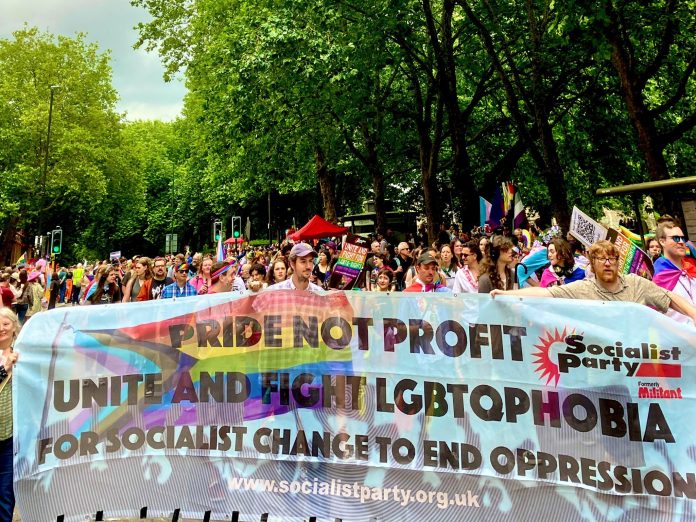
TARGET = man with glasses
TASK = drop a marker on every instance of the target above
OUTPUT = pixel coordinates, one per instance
(180, 287)
(671, 271)
(152, 288)
(609, 285)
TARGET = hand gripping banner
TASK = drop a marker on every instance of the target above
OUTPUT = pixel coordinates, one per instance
(357, 405)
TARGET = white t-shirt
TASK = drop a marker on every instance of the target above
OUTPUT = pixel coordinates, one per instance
(686, 288)
(464, 281)
(289, 285)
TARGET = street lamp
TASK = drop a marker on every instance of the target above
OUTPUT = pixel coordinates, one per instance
(45, 166)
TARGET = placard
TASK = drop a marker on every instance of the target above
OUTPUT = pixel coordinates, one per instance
(585, 229)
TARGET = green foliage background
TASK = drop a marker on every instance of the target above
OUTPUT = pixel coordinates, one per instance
(324, 104)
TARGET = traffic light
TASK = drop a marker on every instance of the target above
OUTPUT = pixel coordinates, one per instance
(236, 226)
(217, 230)
(56, 241)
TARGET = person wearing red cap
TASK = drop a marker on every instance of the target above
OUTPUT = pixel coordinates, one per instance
(301, 260)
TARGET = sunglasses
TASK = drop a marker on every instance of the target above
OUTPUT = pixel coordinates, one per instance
(678, 239)
(183, 271)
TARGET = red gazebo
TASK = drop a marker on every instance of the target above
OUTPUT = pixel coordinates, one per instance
(316, 228)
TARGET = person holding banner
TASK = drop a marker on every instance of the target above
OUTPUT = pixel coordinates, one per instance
(301, 260)
(9, 326)
(609, 285)
(671, 271)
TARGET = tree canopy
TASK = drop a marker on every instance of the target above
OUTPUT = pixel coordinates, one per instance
(324, 104)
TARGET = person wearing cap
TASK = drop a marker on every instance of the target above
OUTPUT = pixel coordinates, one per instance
(180, 287)
(301, 261)
(427, 269)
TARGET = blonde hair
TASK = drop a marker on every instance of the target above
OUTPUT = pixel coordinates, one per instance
(7, 313)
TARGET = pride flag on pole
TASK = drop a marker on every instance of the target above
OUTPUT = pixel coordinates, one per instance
(220, 251)
(22, 259)
(484, 211)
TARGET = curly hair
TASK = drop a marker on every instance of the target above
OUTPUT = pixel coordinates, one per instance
(496, 246)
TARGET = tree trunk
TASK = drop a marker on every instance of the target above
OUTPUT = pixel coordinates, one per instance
(429, 159)
(551, 168)
(8, 241)
(644, 124)
(375, 170)
(326, 185)
(462, 181)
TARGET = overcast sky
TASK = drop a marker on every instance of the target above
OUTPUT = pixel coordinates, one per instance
(137, 75)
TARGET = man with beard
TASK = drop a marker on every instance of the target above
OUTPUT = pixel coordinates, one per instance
(609, 285)
(301, 260)
(152, 288)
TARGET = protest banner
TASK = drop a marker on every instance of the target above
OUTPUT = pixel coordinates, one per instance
(585, 229)
(632, 259)
(357, 405)
(115, 256)
(350, 263)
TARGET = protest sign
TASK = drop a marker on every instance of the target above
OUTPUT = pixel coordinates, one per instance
(585, 229)
(632, 260)
(115, 256)
(357, 405)
(350, 263)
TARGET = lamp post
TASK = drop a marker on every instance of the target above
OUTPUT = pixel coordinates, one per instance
(45, 165)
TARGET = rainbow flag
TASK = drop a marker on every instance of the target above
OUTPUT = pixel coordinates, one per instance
(22, 259)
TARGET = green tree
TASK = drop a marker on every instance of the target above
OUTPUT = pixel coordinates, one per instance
(83, 134)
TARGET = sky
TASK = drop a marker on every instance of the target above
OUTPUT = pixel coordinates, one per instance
(137, 75)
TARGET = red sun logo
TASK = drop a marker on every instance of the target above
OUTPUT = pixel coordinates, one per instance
(546, 366)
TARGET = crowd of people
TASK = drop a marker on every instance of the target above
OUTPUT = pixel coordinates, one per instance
(520, 262)
(457, 262)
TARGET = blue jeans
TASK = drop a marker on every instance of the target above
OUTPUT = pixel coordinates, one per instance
(6, 492)
(21, 310)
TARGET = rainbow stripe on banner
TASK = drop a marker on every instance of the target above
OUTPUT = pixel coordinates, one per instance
(356, 405)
